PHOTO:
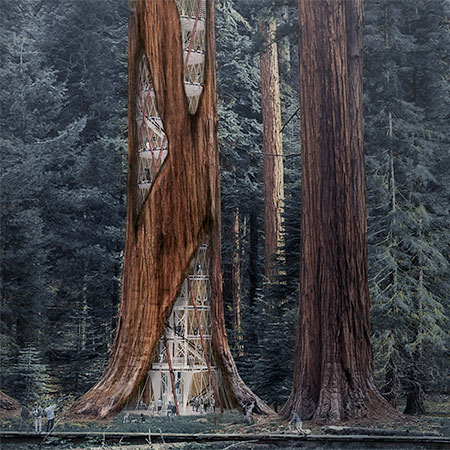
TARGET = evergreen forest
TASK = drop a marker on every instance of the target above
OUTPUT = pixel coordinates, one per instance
(63, 123)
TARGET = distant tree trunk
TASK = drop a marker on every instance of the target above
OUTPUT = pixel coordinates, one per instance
(236, 279)
(273, 146)
(233, 280)
(285, 47)
(181, 209)
(253, 270)
(412, 385)
(227, 295)
(333, 375)
(414, 398)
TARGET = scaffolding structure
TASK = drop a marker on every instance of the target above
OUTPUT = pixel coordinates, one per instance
(193, 34)
(183, 372)
(152, 141)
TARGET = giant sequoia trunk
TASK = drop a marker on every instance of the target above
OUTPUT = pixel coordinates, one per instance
(273, 146)
(165, 229)
(333, 379)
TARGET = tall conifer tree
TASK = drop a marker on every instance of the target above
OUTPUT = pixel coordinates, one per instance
(333, 378)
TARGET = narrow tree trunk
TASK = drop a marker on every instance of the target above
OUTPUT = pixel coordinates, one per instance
(253, 272)
(227, 295)
(273, 146)
(181, 209)
(412, 385)
(285, 48)
(236, 280)
(414, 398)
(232, 281)
(333, 379)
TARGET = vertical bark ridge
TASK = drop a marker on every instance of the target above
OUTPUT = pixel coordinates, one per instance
(333, 378)
(273, 146)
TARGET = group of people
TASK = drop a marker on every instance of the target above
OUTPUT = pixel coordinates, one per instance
(127, 418)
(38, 413)
(171, 410)
(200, 403)
(203, 403)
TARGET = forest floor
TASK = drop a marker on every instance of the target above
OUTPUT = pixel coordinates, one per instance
(435, 421)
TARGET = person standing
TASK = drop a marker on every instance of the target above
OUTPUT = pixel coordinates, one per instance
(249, 412)
(298, 424)
(24, 417)
(50, 414)
(37, 415)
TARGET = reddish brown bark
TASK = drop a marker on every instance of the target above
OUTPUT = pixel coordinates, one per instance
(181, 209)
(8, 406)
(273, 146)
(236, 278)
(333, 375)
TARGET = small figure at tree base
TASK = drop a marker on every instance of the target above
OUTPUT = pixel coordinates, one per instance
(298, 425)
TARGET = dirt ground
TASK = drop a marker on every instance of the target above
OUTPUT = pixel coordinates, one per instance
(435, 421)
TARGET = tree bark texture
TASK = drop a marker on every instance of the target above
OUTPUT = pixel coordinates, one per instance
(180, 211)
(8, 405)
(273, 146)
(333, 374)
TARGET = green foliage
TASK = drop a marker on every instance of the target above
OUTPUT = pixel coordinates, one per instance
(63, 201)
(85, 210)
(406, 105)
(30, 136)
(28, 378)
